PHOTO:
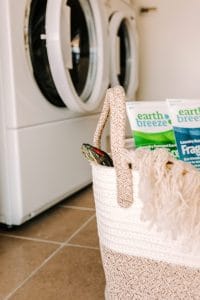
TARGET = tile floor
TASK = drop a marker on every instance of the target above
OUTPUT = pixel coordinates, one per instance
(54, 256)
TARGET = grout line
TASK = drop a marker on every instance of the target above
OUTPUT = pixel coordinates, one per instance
(49, 241)
(31, 239)
(49, 257)
(79, 229)
(34, 272)
(81, 246)
(78, 207)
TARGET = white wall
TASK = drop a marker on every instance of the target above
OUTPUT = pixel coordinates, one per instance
(169, 49)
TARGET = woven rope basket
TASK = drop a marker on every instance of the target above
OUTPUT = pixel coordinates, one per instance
(139, 263)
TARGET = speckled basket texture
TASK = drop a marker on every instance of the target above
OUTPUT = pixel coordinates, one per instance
(139, 263)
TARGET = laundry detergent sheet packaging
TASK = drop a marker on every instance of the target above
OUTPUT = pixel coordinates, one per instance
(185, 116)
(151, 125)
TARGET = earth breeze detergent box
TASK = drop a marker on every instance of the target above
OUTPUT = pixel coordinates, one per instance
(151, 125)
(185, 116)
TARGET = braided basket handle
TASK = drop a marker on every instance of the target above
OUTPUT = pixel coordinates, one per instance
(114, 105)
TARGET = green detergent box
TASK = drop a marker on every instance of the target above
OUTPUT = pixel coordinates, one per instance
(151, 125)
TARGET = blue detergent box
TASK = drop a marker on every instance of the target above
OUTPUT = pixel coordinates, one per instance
(185, 117)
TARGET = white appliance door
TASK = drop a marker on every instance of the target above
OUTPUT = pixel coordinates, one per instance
(77, 50)
(124, 52)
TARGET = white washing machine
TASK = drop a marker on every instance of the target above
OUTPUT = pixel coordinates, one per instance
(123, 45)
(53, 75)
(54, 71)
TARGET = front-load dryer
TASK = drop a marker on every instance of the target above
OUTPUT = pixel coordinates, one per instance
(123, 45)
(53, 77)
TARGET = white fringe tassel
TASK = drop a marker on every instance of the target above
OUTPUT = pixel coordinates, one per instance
(170, 192)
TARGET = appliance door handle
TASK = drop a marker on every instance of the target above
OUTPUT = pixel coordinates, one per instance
(58, 30)
(65, 34)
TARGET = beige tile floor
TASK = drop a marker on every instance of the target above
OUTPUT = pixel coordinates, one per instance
(54, 256)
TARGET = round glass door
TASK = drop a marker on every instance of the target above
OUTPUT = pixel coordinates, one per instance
(76, 46)
(67, 45)
(124, 56)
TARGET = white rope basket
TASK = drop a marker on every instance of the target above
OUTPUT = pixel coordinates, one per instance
(121, 230)
(139, 262)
